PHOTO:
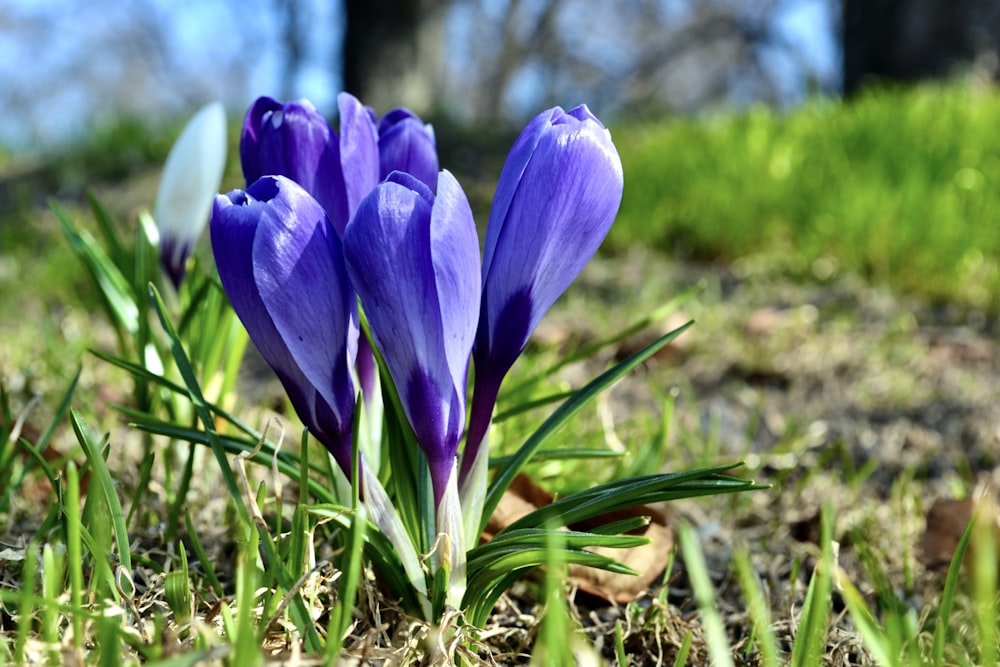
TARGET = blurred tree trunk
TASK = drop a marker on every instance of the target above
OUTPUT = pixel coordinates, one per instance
(910, 40)
(292, 32)
(393, 52)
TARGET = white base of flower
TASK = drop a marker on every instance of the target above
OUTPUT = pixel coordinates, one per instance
(473, 492)
(370, 429)
(450, 548)
(383, 514)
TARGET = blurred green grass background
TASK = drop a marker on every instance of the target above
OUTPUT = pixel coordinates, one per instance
(898, 186)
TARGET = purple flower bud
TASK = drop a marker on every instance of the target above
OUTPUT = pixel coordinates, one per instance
(406, 144)
(281, 264)
(558, 194)
(413, 258)
(292, 139)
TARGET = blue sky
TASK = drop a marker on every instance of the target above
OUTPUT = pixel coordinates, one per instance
(44, 105)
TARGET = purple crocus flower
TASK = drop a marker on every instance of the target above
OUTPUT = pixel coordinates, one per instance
(281, 264)
(558, 194)
(406, 144)
(292, 139)
(414, 260)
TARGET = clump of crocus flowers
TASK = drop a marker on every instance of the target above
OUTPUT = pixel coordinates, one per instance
(350, 249)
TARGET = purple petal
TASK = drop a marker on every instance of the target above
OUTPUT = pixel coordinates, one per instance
(406, 144)
(280, 264)
(358, 153)
(300, 273)
(294, 140)
(174, 253)
(250, 138)
(554, 208)
(455, 244)
(414, 260)
(510, 177)
(558, 194)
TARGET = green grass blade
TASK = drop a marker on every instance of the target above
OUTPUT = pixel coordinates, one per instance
(106, 487)
(60, 413)
(622, 494)
(177, 590)
(874, 637)
(589, 351)
(682, 653)
(200, 405)
(570, 454)
(299, 612)
(487, 583)
(199, 551)
(53, 578)
(246, 650)
(528, 406)
(351, 564)
(984, 586)
(767, 643)
(74, 552)
(810, 642)
(563, 414)
(556, 635)
(29, 575)
(115, 289)
(701, 584)
(286, 462)
(113, 242)
(948, 593)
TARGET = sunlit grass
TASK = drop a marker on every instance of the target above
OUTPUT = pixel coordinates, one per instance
(897, 186)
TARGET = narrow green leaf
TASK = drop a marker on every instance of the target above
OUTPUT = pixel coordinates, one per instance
(701, 584)
(202, 555)
(589, 351)
(570, 454)
(60, 413)
(682, 652)
(767, 643)
(810, 642)
(29, 574)
(74, 552)
(950, 588)
(108, 231)
(563, 414)
(115, 289)
(106, 486)
(622, 494)
(528, 406)
(195, 394)
(299, 612)
(874, 637)
(177, 589)
(487, 583)
(286, 462)
(515, 541)
(620, 645)
(53, 576)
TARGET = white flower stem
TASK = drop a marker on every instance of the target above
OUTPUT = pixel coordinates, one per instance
(451, 542)
(473, 492)
(383, 514)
